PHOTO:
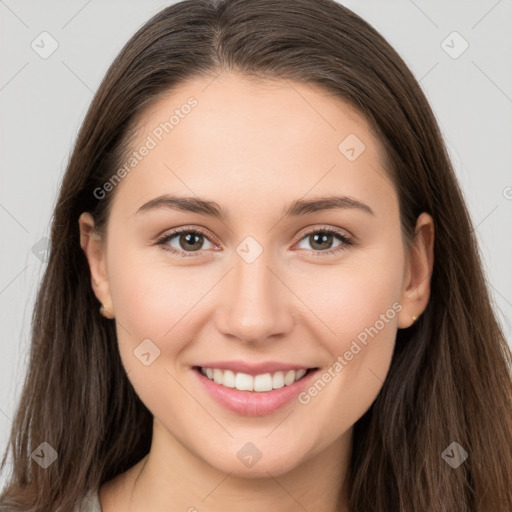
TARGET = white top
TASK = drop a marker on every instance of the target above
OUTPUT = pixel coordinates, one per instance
(91, 503)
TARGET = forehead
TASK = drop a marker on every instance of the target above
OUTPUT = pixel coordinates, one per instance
(232, 137)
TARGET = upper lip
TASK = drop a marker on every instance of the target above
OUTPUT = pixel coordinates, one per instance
(254, 368)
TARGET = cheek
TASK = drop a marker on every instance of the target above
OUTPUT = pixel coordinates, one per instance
(154, 308)
(153, 296)
(352, 296)
(153, 301)
(358, 304)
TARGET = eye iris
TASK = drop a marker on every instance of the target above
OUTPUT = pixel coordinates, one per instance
(319, 238)
(188, 239)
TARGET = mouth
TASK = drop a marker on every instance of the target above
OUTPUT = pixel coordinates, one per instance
(254, 395)
(260, 383)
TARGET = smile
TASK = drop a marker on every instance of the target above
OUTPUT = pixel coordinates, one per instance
(259, 383)
(254, 395)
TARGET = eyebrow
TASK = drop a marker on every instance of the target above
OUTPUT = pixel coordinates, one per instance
(213, 209)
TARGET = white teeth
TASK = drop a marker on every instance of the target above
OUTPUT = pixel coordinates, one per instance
(244, 382)
(229, 379)
(218, 376)
(259, 383)
(289, 378)
(263, 382)
(278, 380)
(299, 374)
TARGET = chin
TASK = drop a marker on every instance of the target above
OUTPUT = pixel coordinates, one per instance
(249, 463)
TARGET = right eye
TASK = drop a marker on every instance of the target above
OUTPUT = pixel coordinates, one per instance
(189, 241)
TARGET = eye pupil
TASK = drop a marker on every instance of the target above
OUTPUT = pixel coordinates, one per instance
(321, 238)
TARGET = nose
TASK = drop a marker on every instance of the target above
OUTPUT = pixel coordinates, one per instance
(256, 304)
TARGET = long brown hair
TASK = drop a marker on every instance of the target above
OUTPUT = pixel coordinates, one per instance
(449, 379)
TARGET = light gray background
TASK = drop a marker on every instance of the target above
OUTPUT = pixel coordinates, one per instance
(43, 101)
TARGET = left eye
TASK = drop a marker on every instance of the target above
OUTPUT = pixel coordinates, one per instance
(324, 237)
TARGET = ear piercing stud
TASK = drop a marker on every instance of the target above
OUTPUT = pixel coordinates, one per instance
(106, 313)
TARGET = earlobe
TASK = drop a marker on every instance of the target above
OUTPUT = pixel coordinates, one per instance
(419, 267)
(93, 248)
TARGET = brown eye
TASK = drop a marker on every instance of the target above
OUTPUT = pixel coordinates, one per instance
(321, 241)
(190, 241)
(184, 242)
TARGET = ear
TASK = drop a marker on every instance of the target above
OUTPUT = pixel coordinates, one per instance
(93, 246)
(418, 271)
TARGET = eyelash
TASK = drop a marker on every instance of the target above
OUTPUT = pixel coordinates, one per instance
(346, 241)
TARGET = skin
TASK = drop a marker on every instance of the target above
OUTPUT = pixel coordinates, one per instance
(253, 147)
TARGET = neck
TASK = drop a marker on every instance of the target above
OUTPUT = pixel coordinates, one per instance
(171, 478)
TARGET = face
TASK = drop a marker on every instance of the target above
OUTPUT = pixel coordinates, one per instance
(270, 284)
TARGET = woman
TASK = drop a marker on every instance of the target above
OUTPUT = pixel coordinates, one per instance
(292, 308)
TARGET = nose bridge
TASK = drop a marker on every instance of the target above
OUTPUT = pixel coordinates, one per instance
(256, 306)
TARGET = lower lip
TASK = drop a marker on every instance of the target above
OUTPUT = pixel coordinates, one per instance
(253, 403)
